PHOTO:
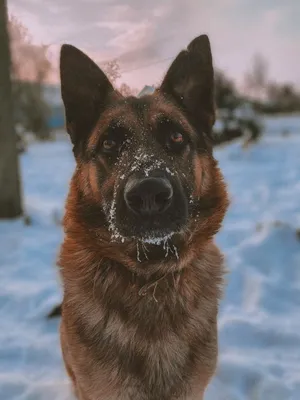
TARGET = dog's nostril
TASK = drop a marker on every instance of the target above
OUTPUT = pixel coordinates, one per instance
(148, 196)
(134, 201)
(163, 197)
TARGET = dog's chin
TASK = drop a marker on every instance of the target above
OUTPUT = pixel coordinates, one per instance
(151, 235)
(152, 245)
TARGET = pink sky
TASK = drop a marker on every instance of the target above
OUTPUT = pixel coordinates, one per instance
(142, 33)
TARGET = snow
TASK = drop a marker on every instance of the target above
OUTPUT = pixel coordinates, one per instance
(259, 324)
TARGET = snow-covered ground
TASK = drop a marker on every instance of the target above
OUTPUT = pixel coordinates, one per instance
(259, 324)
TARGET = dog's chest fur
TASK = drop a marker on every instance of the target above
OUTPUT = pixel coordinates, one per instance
(152, 346)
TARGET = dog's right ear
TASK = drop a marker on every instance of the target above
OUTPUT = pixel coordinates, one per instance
(190, 83)
(85, 92)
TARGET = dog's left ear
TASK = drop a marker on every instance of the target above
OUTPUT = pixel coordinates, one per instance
(85, 90)
(190, 83)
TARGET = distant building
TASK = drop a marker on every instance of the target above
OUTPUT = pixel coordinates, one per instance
(146, 90)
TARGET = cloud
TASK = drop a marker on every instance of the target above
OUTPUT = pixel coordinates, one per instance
(140, 33)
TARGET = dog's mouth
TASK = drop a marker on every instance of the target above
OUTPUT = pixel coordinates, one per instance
(150, 210)
(157, 237)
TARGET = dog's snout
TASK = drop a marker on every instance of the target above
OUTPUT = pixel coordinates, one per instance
(148, 196)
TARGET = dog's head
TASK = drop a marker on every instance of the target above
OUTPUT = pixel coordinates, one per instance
(144, 165)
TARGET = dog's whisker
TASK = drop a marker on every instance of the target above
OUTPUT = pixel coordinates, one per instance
(145, 251)
(174, 281)
(112, 216)
(153, 294)
(138, 252)
(145, 247)
(166, 247)
(176, 252)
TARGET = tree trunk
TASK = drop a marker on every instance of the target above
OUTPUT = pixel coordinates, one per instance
(10, 191)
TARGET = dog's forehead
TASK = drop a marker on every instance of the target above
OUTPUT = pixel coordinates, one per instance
(147, 110)
(139, 116)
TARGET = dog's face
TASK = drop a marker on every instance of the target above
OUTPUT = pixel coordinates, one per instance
(143, 150)
(145, 164)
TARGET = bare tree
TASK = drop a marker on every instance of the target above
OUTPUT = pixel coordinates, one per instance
(282, 97)
(126, 90)
(112, 70)
(30, 69)
(10, 193)
(256, 79)
(225, 92)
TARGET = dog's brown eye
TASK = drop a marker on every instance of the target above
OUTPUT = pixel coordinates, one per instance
(109, 144)
(177, 137)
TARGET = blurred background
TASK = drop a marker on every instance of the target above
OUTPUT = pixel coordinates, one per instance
(256, 53)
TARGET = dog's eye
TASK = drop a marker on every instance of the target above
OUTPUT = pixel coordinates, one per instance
(109, 144)
(177, 137)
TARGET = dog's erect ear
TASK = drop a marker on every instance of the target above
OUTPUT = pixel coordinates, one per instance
(190, 83)
(85, 92)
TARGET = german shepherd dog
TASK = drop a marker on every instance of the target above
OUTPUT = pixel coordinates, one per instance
(141, 274)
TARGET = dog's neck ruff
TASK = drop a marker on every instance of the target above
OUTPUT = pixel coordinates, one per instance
(150, 287)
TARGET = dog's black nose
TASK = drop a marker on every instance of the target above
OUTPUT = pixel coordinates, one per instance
(148, 196)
